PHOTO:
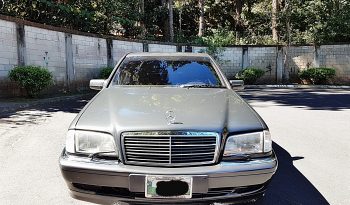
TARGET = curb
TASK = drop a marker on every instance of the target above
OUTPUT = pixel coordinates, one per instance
(299, 86)
(14, 106)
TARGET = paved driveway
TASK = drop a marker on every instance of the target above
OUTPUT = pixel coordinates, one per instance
(310, 129)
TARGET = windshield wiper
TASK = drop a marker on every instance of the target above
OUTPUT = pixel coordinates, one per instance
(199, 86)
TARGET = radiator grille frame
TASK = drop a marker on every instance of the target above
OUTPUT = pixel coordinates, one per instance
(162, 135)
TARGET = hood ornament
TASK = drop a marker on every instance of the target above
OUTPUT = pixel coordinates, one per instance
(171, 118)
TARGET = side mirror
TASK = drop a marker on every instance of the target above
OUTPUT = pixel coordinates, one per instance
(97, 84)
(237, 84)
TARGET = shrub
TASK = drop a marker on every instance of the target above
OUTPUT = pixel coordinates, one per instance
(317, 75)
(31, 78)
(105, 72)
(250, 75)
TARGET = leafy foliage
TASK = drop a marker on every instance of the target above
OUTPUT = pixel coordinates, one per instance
(32, 78)
(250, 75)
(105, 72)
(317, 75)
(228, 21)
(96, 16)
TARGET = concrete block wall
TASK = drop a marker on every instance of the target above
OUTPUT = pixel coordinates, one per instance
(338, 57)
(231, 61)
(300, 57)
(8, 48)
(78, 57)
(89, 55)
(121, 48)
(198, 49)
(161, 48)
(46, 48)
(263, 58)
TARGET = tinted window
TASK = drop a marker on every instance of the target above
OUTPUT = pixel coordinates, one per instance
(167, 72)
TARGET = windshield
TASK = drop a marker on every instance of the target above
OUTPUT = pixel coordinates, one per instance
(180, 72)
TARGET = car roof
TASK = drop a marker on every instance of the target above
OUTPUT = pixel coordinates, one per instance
(177, 54)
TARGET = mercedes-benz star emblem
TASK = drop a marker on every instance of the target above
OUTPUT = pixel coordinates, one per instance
(170, 117)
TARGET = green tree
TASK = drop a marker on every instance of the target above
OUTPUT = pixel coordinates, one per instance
(251, 21)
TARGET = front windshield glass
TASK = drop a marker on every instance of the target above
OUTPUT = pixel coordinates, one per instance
(185, 72)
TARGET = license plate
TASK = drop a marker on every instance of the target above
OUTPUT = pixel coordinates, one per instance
(168, 186)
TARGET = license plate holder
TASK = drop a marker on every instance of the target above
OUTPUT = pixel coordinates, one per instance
(164, 186)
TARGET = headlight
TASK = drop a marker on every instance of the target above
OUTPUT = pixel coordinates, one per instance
(250, 143)
(87, 142)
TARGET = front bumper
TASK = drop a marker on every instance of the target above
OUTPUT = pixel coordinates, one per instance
(111, 182)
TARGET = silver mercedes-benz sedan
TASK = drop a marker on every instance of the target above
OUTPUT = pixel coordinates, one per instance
(167, 128)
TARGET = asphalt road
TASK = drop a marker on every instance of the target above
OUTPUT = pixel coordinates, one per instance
(310, 129)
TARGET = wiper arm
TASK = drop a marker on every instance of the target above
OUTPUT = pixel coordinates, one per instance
(98, 154)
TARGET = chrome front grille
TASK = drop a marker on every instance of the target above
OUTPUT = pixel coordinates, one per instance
(170, 148)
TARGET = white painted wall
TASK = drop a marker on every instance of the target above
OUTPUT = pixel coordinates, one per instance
(300, 56)
(198, 49)
(8, 47)
(161, 48)
(89, 55)
(338, 57)
(46, 48)
(121, 48)
(263, 58)
(231, 61)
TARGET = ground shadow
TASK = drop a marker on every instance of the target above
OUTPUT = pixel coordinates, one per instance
(289, 186)
(37, 113)
(313, 99)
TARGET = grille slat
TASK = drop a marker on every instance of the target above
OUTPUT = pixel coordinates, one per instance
(147, 153)
(149, 160)
(194, 149)
(149, 157)
(145, 142)
(169, 148)
(191, 154)
(192, 161)
(150, 145)
(193, 143)
(197, 145)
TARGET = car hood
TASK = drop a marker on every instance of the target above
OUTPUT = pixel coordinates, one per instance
(119, 109)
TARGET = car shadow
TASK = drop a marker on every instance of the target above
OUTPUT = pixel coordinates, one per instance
(289, 186)
(312, 99)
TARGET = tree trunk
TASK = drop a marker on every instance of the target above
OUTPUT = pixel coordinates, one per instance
(201, 18)
(171, 20)
(288, 27)
(239, 5)
(275, 11)
(142, 23)
(238, 18)
(165, 30)
(180, 21)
